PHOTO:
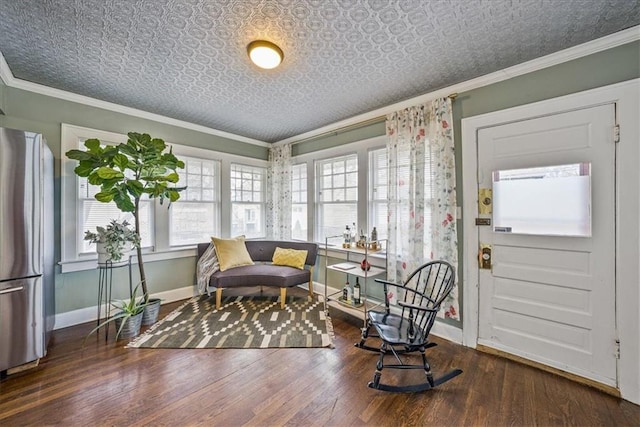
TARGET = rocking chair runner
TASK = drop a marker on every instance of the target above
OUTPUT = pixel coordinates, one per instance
(408, 332)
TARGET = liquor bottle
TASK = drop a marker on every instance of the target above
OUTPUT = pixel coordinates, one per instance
(374, 239)
(347, 237)
(356, 292)
(346, 291)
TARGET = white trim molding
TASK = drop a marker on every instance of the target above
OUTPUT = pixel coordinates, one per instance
(626, 96)
(89, 314)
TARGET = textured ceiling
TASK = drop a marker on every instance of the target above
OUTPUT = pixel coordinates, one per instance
(186, 59)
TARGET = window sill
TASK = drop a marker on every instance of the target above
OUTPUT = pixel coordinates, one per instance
(91, 264)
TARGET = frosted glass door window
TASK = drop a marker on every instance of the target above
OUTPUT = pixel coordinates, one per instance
(551, 200)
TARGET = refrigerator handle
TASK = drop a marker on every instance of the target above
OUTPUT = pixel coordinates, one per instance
(9, 290)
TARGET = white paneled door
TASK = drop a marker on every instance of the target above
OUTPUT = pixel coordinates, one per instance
(547, 292)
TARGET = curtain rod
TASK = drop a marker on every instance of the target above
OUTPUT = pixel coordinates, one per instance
(342, 129)
(354, 126)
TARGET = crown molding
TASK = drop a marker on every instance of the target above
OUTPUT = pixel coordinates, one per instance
(613, 40)
(11, 81)
(5, 72)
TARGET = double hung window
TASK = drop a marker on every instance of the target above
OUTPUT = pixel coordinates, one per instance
(92, 213)
(337, 200)
(299, 227)
(194, 218)
(247, 200)
(378, 191)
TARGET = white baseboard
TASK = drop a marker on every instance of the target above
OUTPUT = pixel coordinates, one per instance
(88, 314)
(447, 332)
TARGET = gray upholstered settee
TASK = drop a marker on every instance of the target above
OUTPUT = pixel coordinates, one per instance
(263, 273)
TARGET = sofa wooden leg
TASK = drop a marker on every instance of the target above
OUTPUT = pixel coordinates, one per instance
(218, 298)
(283, 297)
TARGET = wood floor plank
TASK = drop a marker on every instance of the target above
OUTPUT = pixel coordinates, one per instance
(104, 384)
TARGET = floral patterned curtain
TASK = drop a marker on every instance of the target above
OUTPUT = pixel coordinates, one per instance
(422, 192)
(278, 215)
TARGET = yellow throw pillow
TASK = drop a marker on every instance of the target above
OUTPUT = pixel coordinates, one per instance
(231, 252)
(289, 257)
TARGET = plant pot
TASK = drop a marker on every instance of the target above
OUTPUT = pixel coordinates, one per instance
(104, 257)
(151, 311)
(131, 326)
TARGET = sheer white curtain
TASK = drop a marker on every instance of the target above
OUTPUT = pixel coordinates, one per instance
(278, 215)
(422, 192)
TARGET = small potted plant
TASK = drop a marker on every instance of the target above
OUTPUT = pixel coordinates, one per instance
(127, 319)
(113, 241)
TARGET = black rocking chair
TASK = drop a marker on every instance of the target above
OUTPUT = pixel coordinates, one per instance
(407, 332)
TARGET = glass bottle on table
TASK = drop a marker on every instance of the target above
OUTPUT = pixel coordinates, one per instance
(346, 291)
(374, 239)
(346, 235)
(354, 232)
(356, 292)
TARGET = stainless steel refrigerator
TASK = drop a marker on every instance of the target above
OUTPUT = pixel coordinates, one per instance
(26, 247)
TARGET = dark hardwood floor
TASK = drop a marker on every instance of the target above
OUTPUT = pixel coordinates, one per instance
(107, 384)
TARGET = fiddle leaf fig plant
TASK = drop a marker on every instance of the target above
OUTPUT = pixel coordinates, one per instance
(127, 172)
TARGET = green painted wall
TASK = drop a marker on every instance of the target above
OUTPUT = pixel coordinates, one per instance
(79, 290)
(39, 113)
(615, 65)
(336, 139)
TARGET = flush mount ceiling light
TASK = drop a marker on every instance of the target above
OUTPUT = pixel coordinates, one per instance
(265, 54)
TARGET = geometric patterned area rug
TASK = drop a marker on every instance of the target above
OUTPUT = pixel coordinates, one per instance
(241, 322)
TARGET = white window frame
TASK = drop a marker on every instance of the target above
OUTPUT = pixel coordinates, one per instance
(335, 186)
(297, 188)
(72, 260)
(374, 202)
(88, 250)
(184, 199)
(262, 202)
(362, 148)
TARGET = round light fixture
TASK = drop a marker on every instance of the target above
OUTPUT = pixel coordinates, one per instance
(265, 54)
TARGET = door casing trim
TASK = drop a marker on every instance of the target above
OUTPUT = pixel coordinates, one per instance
(626, 97)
